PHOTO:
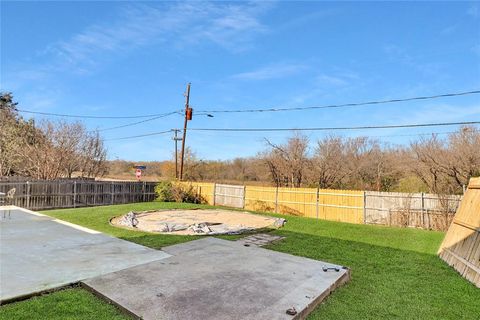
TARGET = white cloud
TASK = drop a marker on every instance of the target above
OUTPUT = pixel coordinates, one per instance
(473, 11)
(331, 80)
(476, 49)
(231, 26)
(422, 63)
(449, 30)
(179, 26)
(271, 72)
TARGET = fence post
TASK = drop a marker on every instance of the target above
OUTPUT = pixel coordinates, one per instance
(144, 186)
(364, 207)
(214, 191)
(276, 199)
(28, 194)
(95, 189)
(318, 199)
(423, 209)
(244, 194)
(198, 194)
(111, 191)
(74, 193)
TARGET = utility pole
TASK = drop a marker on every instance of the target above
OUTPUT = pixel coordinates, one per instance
(176, 139)
(188, 116)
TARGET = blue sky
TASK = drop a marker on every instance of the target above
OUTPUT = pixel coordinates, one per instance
(134, 58)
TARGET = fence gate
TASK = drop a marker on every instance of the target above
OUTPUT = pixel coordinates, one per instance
(229, 196)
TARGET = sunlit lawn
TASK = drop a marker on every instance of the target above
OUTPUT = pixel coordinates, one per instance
(395, 272)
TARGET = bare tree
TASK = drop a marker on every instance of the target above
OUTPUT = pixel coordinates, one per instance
(192, 166)
(288, 162)
(436, 165)
(15, 134)
(62, 149)
(92, 155)
(446, 166)
(328, 162)
(363, 157)
(464, 155)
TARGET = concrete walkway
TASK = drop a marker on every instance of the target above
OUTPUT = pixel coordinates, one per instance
(39, 253)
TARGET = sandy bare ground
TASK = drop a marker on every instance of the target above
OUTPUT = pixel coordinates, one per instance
(195, 222)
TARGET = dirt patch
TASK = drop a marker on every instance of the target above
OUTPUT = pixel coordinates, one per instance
(196, 222)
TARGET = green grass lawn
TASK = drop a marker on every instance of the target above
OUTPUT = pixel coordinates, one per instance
(395, 272)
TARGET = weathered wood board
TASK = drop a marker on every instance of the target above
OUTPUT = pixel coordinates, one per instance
(461, 246)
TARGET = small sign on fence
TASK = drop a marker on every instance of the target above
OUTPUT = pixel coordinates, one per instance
(138, 171)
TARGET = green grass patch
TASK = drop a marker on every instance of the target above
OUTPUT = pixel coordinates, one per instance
(98, 218)
(72, 303)
(395, 272)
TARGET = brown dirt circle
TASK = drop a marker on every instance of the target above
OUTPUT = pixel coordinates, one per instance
(196, 221)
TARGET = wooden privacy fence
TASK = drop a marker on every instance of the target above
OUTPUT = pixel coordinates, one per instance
(336, 205)
(421, 210)
(205, 190)
(37, 195)
(461, 246)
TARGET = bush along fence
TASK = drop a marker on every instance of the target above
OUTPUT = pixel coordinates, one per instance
(419, 210)
(42, 194)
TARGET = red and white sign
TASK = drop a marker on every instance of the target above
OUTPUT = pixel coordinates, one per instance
(138, 173)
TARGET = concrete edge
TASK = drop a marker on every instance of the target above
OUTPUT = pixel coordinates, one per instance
(109, 301)
(38, 293)
(315, 303)
(76, 226)
(22, 209)
(69, 224)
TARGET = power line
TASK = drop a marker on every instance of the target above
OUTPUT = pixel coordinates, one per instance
(141, 135)
(317, 129)
(94, 117)
(355, 104)
(260, 109)
(382, 136)
(340, 128)
(135, 123)
(414, 134)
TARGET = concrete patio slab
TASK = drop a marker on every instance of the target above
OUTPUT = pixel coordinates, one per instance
(39, 253)
(218, 279)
